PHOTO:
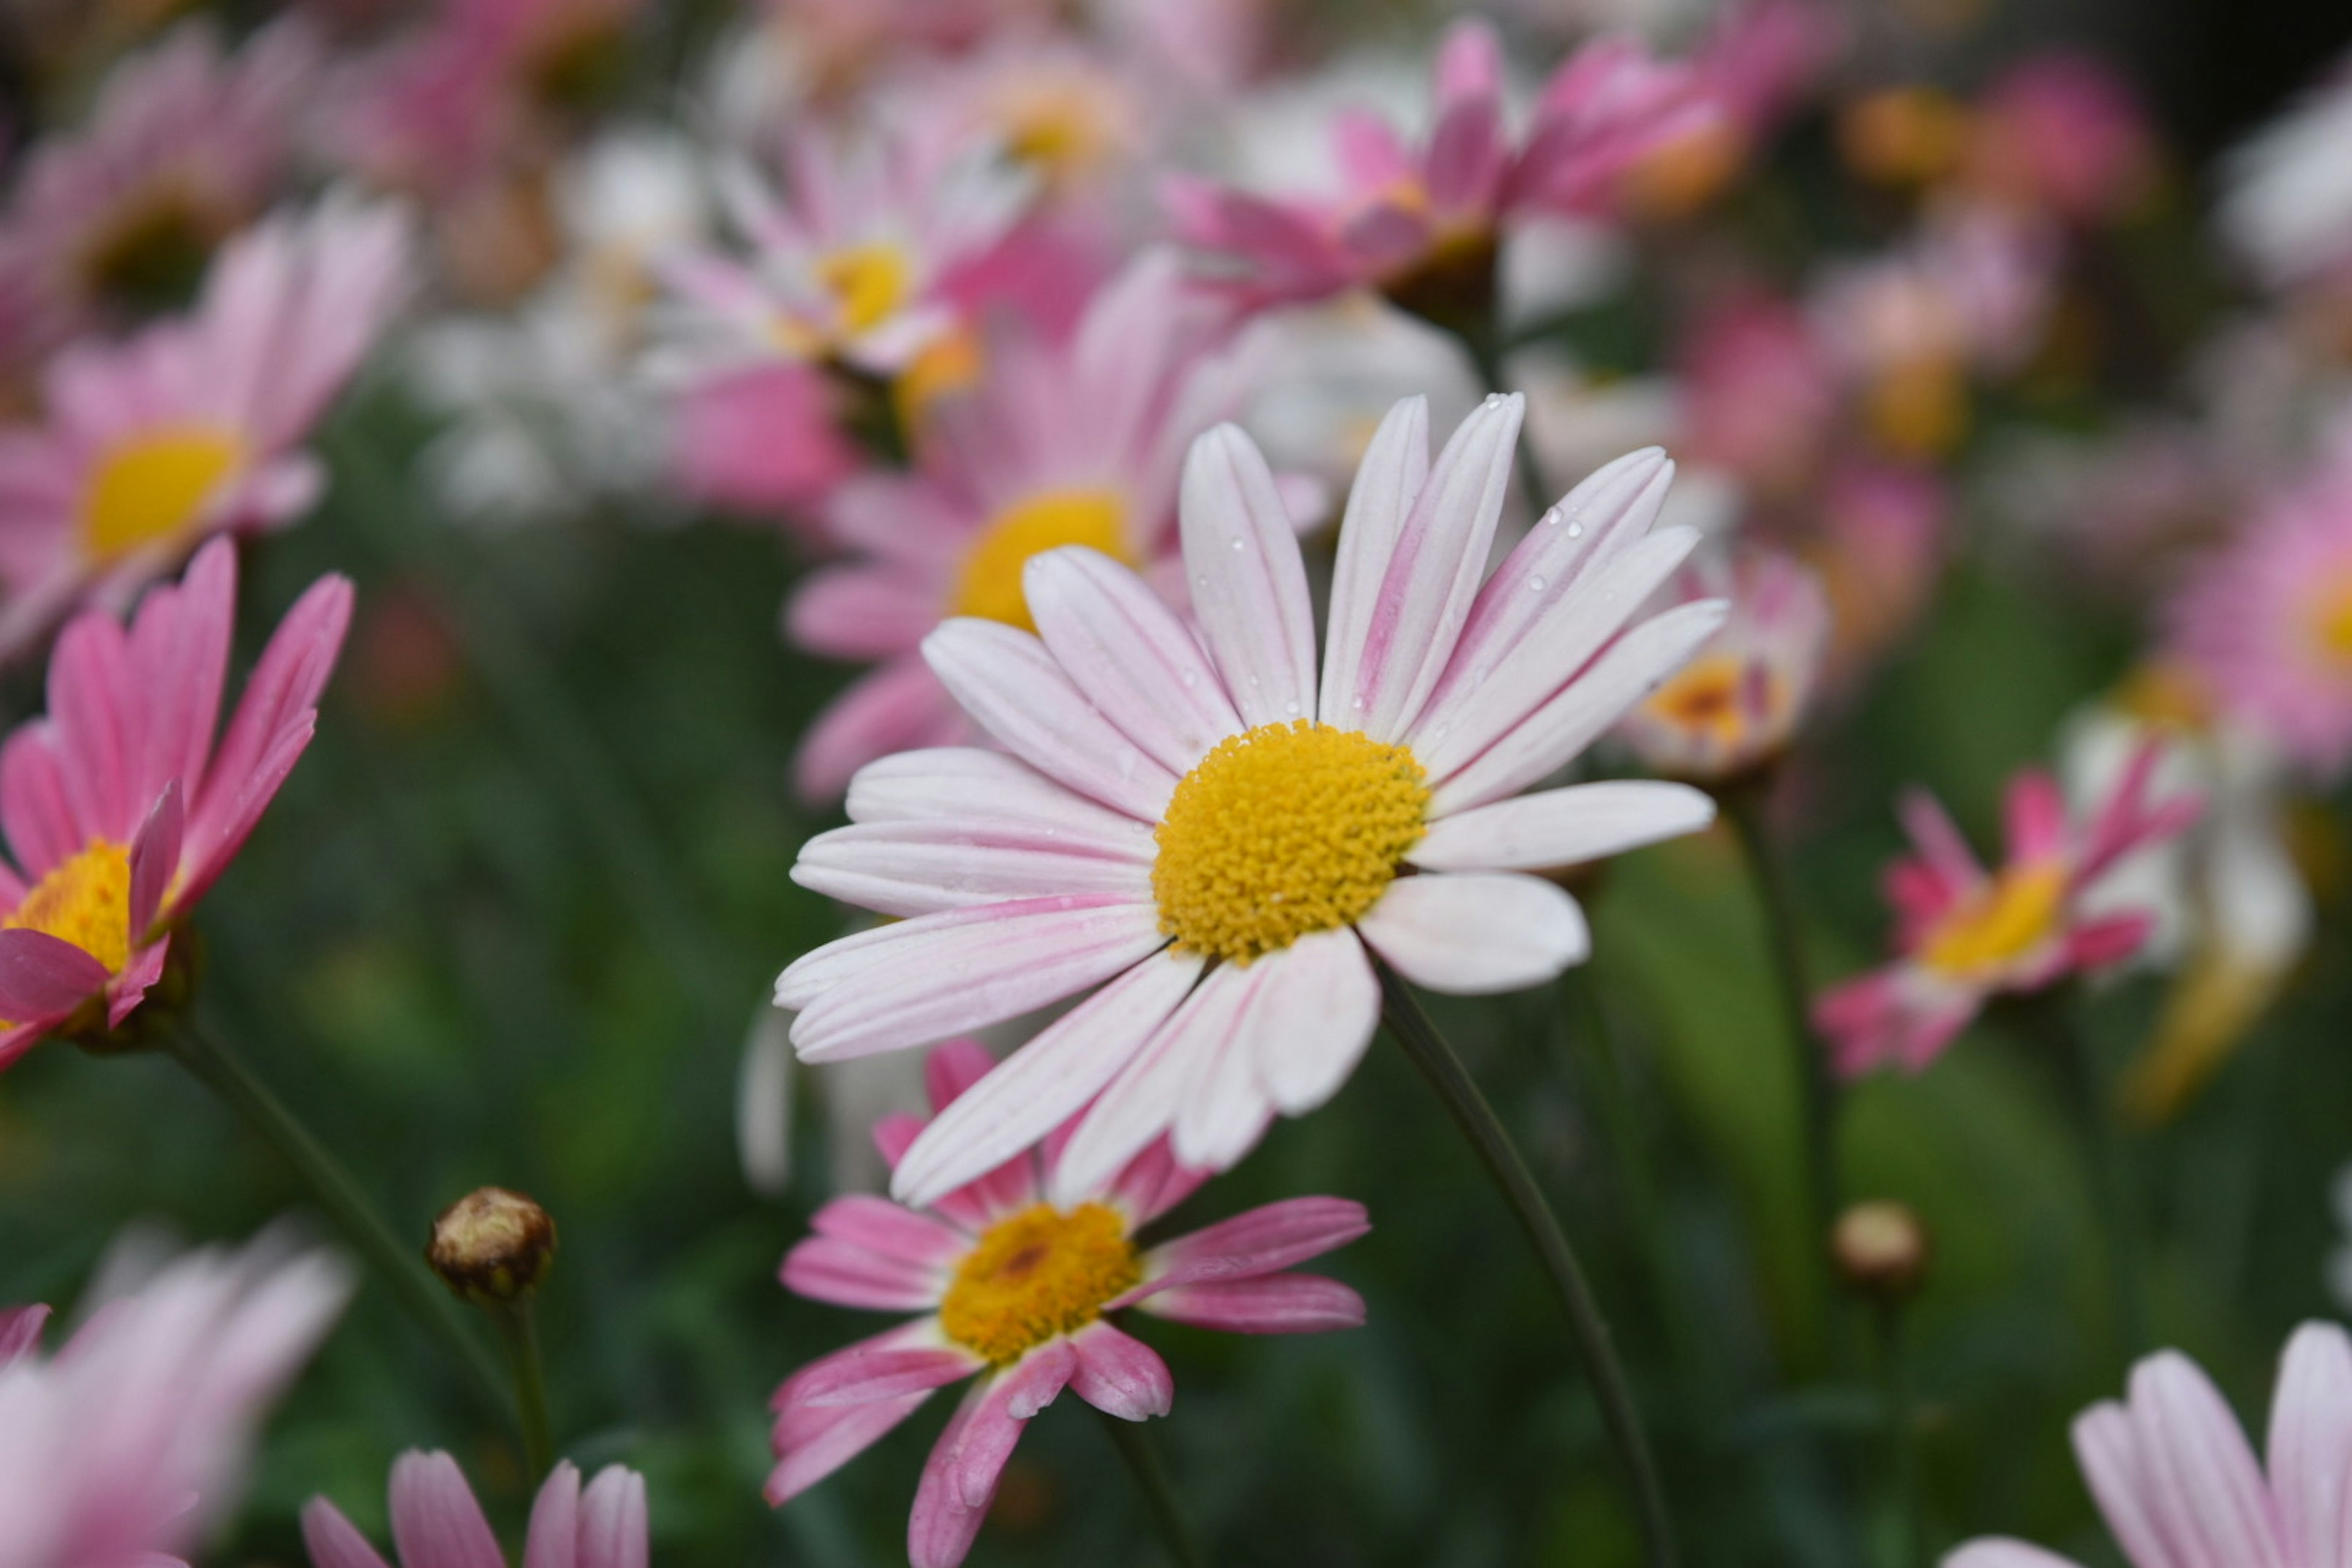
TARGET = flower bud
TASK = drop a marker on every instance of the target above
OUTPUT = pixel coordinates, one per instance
(492, 1246)
(1881, 1251)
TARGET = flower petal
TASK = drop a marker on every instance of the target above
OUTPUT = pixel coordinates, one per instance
(1248, 583)
(553, 1539)
(1394, 468)
(2108, 1447)
(1271, 1304)
(965, 783)
(1309, 1032)
(825, 1268)
(1562, 826)
(1263, 1241)
(1144, 1099)
(434, 1518)
(333, 1541)
(44, 977)
(1120, 1375)
(906, 869)
(1999, 1552)
(811, 1442)
(2310, 1445)
(20, 1330)
(1129, 655)
(881, 1226)
(1472, 933)
(613, 1521)
(2207, 1488)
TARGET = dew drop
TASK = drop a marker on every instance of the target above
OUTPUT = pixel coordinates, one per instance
(1202, 581)
(1359, 705)
(1536, 584)
(1291, 706)
(1576, 530)
(1240, 543)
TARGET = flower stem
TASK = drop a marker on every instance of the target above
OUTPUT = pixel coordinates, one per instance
(1493, 1145)
(1159, 1493)
(2051, 1020)
(519, 1323)
(1902, 1434)
(220, 1070)
(1485, 348)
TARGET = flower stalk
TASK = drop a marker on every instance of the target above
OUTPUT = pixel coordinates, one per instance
(1142, 1460)
(2049, 1021)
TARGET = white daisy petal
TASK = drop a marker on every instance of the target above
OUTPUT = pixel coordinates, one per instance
(1044, 1083)
(1143, 1099)
(1396, 467)
(1228, 1110)
(906, 869)
(1131, 656)
(1310, 1032)
(1016, 691)
(1248, 583)
(1562, 826)
(1468, 935)
(1628, 671)
(966, 784)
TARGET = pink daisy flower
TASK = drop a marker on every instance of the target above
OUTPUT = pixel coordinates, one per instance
(184, 147)
(193, 427)
(1424, 223)
(2061, 133)
(1189, 819)
(125, 1446)
(118, 806)
(2267, 621)
(1734, 707)
(2172, 1473)
(1076, 442)
(1756, 63)
(1015, 1286)
(437, 1524)
(1964, 934)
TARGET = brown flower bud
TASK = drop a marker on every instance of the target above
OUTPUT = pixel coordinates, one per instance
(1881, 1251)
(492, 1246)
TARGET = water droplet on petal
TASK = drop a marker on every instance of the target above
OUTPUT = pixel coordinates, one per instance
(1359, 705)
(1536, 584)
(1291, 706)
(1239, 543)
(1576, 530)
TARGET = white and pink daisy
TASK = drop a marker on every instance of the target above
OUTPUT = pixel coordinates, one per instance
(132, 1440)
(2178, 1486)
(2287, 204)
(1423, 223)
(1016, 1274)
(437, 1524)
(1965, 935)
(184, 146)
(1756, 63)
(119, 805)
(1073, 442)
(1209, 843)
(193, 427)
(1734, 706)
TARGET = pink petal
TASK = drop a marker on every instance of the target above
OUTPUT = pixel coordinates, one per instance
(1263, 1240)
(1128, 654)
(2310, 1443)
(34, 804)
(1272, 1304)
(904, 868)
(1469, 62)
(960, 1478)
(44, 977)
(435, 1519)
(964, 784)
(179, 646)
(1467, 159)
(861, 613)
(1394, 468)
(1941, 848)
(2036, 812)
(1247, 579)
(2206, 1487)
(89, 698)
(2115, 1469)
(884, 948)
(811, 1443)
(613, 1521)
(1562, 826)
(952, 1070)
(332, 1542)
(1151, 1185)
(1471, 934)
(553, 1539)
(900, 707)
(155, 856)
(1144, 1099)
(885, 1367)
(1119, 1375)
(20, 1330)
(2110, 940)
(881, 1226)
(825, 1270)
(1994, 1552)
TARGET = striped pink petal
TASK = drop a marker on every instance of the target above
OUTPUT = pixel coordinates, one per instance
(1394, 468)
(1264, 1240)
(811, 1442)
(333, 1541)
(434, 1519)
(1248, 583)
(1562, 826)
(1129, 655)
(1119, 1374)
(905, 869)
(1270, 1304)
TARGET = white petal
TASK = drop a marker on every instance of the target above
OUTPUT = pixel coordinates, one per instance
(1129, 655)
(961, 784)
(1248, 584)
(1227, 1111)
(1469, 935)
(2107, 1447)
(906, 869)
(1044, 1083)
(2310, 1446)
(1562, 826)
(1396, 467)
(1143, 1101)
(1008, 682)
(1307, 1035)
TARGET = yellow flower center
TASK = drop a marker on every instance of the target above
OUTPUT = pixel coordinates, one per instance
(990, 582)
(2011, 916)
(86, 901)
(1710, 698)
(154, 486)
(949, 363)
(1283, 830)
(1037, 1275)
(1919, 408)
(868, 282)
(2332, 624)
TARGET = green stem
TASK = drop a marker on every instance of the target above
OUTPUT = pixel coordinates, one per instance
(2050, 1017)
(518, 1323)
(1159, 1493)
(1477, 1118)
(1902, 1435)
(400, 1267)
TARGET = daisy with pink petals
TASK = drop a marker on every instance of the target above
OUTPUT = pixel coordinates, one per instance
(193, 427)
(437, 1524)
(1015, 1273)
(1422, 224)
(130, 1441)
(2178, 1486)
(120, 807)
(1078, 442)
(1192, 829)
(1965, 935)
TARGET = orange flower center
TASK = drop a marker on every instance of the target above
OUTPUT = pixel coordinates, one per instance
(85, 899)
(990, 584)
(155, 486)
(1038, 1275)
(2013, 914)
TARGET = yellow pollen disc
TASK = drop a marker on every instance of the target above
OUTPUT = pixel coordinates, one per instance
(154, 485)
(1283, 830)
(1708, 697)
(990, 582)
(85, 901)
(1037, 1275)
(1919, 408)
(2332, 625)
(949, 363)
(868, 283)
(2008, 919)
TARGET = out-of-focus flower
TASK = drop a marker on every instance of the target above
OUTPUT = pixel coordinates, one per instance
(1196, 829)
(763, 440)
(1734, 706)
(2060, 133)
(1754, 63)
(1424, 225)
(2175, 1480)
(1964, 935)
(437, 1524)
(1014, 1273)
(832, 47)
(1067, 114)
(1877, 540)
(129, 1442)
(120, 807)
(2340, 1260)
(1906, 136)
(185, 146)
(1759, 394)
(1343, 365)
(2232, 915)
(2266, 622)
(853, 1095)
(2286, 200)
(1075, 443)
(193, 427)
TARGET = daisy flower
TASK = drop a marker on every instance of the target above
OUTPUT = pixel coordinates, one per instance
(1757, 62)
(1734, 707)
(2062, 133)
(1422, 224)
(132, 1439)
(185, 146)
(1078, 442)
(118, 806)
(1965, 935)
(2286, 201)
(1016, 1274)
(1192, 831)
(2173, 1475)
(193, 427)
(437, 1524)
